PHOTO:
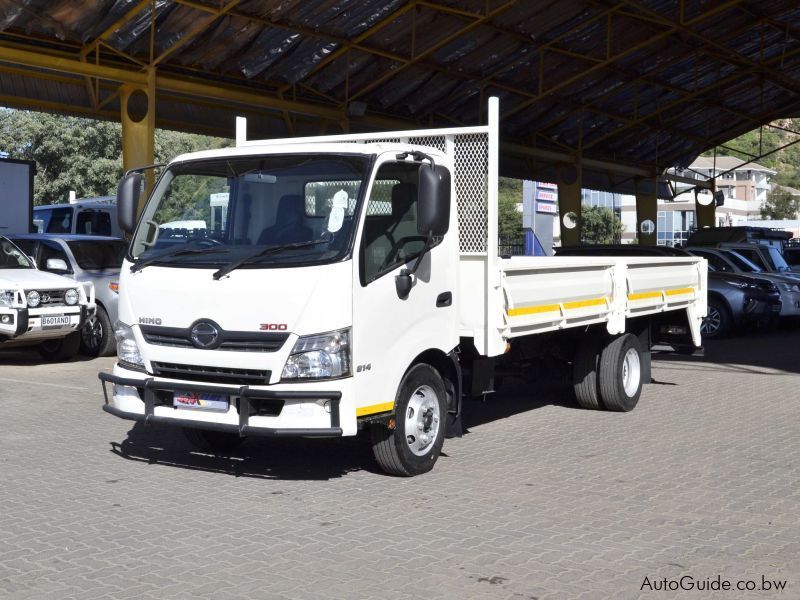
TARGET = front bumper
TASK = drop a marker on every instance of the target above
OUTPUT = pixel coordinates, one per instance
(757, 309)
(26, 323)
(244, 402)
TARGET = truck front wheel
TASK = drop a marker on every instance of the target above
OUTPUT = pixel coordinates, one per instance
(620, 373)
(413, 444)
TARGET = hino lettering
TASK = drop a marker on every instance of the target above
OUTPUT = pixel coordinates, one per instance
(374, 254)
(149, 321)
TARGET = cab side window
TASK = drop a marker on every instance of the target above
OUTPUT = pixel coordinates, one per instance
(390, 236)
(753, 256)
(60, 221)
(93, 222)
(715, 262)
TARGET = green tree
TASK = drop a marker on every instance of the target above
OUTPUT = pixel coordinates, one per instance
(600, 225)
(80, 154)
(509, 218)
(780, 204)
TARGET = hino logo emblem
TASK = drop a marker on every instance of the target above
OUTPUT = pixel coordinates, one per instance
(204, 334)
(149, 321)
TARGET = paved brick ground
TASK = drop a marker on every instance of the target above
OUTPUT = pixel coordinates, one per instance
(540, 500)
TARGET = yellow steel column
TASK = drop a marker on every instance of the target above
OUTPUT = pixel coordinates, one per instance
(647, 215)
(138, 136)
(705, 208)
(569, 204)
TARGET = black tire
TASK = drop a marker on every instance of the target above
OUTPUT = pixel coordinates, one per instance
(718, 322)
(423, 386)
(614, 373)
(212, 442)
(61, 349)
(97, 335)
(584, 374)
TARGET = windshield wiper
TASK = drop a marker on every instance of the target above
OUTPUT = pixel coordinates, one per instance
(180, 251)
(231, 266)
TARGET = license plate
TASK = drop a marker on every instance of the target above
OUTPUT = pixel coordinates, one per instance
(55, 321)
(200, 401)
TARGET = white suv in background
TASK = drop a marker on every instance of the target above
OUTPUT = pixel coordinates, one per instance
(40, 309)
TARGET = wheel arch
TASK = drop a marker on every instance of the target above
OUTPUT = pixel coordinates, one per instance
(723, 300)
(449, 369)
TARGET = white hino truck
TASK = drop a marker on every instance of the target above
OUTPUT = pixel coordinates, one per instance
(343, 290)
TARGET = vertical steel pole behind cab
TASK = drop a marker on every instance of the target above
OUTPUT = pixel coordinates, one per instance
(493, 342)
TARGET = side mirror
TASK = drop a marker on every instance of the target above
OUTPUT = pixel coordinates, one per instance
(128, 192)
(57, 264)
(403, 284)
(433, 204)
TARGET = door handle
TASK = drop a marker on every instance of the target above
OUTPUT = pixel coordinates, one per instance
(444, 299)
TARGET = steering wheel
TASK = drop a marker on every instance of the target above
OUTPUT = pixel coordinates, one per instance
(199, 240)
(397, 249)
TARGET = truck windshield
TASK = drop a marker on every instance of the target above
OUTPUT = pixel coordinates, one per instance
(226, 209)
(12, 257)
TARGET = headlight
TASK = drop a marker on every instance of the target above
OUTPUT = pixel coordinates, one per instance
(71, 297)
(319, 356)
(127, 350)
(34, 298)
(7, 298)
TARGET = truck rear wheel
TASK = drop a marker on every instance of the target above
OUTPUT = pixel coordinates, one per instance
(60, 349)
(413, 445)
(620, 376)
(584, 374)
(212, 442)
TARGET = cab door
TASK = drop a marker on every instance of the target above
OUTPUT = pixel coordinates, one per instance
(389, 332)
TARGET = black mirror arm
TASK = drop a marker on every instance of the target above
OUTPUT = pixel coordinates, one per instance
(418, 156)
(403, 281)
(425, 249)
(144, 168)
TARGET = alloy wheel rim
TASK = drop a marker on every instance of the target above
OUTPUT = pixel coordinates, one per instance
(92, 333)
(422, 420)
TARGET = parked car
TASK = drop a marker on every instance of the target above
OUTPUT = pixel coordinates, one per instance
(40, 309)
(734, 299)
(84, 258)
(792, 256)
(95, 216)
(768, 257)
(743, 234)
(730, 261)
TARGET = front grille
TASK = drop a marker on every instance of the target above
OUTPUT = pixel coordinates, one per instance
(51, 297)
(204, 374)
(236, 341)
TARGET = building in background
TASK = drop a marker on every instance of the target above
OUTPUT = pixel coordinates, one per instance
(745, 187)
(539, 214)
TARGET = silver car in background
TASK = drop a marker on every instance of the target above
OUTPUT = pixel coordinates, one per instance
(84, 258)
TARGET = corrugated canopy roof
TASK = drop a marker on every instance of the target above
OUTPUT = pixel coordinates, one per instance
(646, 84)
